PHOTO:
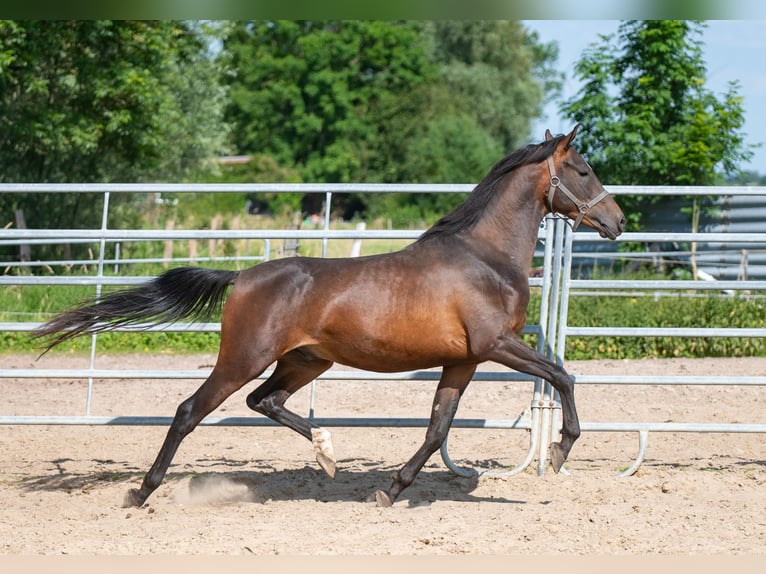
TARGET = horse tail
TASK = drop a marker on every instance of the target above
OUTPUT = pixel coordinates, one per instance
(186, 292)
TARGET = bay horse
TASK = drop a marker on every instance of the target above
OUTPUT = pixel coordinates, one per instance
(454, 298)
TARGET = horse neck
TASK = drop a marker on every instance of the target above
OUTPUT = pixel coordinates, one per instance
(510, 224)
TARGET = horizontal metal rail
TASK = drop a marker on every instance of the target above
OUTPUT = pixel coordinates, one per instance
(11, 236)
(108, 280)
(666, 332)
(655, 190)
(331, 375)
(343, 375)
(259, 421)
(236, 187)
(667, 284)
(16, 236)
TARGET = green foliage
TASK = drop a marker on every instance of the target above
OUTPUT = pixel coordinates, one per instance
(648, 118)
(101, 101)
(91, 101)
(309, 94)
(673, 311)
(498, 73)
(375, 101)
(335, 101)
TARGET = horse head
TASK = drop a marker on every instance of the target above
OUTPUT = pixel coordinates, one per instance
(582, 198)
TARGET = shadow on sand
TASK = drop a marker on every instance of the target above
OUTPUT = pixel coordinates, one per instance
(223, 480)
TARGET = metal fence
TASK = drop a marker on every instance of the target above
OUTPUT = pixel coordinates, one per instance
(559, 251)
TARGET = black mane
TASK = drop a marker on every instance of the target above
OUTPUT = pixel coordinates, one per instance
(468, 213)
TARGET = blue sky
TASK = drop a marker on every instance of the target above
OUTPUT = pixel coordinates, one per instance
(733, 50)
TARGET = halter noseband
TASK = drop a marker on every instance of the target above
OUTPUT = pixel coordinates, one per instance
(582, 206)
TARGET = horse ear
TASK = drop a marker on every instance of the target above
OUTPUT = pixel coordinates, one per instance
(548, 135)
(571, 136)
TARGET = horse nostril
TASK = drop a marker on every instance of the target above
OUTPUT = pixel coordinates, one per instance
(622, 222)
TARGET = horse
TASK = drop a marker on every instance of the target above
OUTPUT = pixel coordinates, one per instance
(454, 298)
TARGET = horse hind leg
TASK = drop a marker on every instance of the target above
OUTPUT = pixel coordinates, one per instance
(453, 382)
(293, 371)
(218, 386)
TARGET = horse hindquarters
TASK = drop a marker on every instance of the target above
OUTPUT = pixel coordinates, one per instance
(250, 342)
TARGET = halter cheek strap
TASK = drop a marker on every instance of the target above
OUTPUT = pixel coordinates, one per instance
(583, 207)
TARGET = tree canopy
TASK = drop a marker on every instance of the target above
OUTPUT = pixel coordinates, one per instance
(648, 117)
(102, 101)
(374, 101)
(90, 101)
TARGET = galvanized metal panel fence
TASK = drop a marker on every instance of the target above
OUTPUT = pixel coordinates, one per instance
(556, 283)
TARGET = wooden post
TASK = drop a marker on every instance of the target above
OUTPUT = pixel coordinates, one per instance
(356, 246)
(25, 251)
(212, 244)
(167, 253)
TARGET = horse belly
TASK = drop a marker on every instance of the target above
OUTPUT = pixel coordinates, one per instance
(396, 346)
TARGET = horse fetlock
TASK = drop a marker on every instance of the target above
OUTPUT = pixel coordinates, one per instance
(325, 454)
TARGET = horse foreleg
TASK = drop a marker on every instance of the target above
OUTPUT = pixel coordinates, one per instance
(515, 354)
(453, 382)
(188, 415)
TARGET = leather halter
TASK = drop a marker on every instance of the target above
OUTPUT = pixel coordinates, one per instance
(583, 207)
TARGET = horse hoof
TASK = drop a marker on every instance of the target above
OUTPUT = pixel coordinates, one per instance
(327, 464)
(557, 457)
(133, 499)
(382, 499)
(320, 438)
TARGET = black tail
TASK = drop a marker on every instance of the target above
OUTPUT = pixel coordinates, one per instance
(187, 292)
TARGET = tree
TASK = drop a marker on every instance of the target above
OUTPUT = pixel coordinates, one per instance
(647, 115)
(492, 80)
(99, 101)
(499, 71)
(385, 101)
(311, 94)
(106, 101)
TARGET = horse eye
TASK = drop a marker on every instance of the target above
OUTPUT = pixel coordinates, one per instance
(581, 169)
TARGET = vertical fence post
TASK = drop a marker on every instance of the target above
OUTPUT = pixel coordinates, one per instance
(99, 275)
(561, 333)
(328, 203)
(547, 401)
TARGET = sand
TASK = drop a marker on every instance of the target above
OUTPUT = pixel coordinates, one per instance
(259, 491)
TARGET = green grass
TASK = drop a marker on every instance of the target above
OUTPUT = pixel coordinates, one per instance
(39, 303)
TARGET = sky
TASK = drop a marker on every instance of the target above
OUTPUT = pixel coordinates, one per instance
(733, 50)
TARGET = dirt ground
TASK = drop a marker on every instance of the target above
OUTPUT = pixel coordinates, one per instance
(258, 490)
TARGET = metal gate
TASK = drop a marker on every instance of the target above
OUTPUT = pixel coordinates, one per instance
(542, 420)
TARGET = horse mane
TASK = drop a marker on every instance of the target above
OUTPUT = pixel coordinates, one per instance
(465, 215)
